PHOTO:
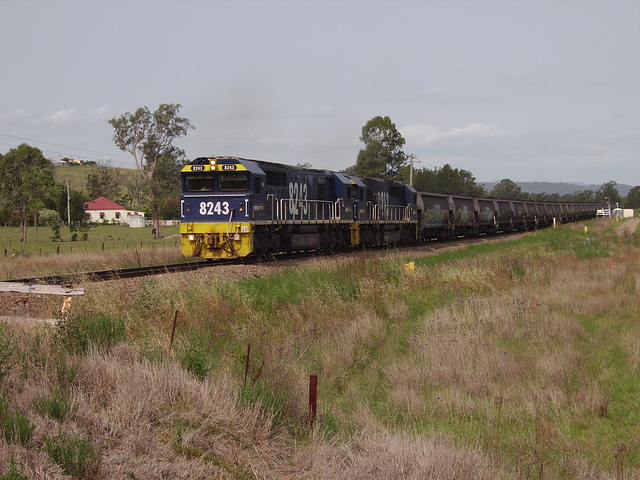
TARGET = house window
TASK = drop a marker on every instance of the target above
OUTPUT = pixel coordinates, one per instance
(102, 215)
(117, 215)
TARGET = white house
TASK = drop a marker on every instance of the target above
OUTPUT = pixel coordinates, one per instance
(103, 210)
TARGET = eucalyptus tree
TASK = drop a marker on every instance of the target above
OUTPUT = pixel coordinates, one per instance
(25, 182)
(507, 188)
(104, 181)
(382, 156)
(633, 198)
(447, 179)
(609, 193)
(148, 137)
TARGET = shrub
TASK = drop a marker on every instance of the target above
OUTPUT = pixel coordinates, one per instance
(78, 332)
(271, 403)
(14, 427)
(194, 357)
(49, 218)
(7, 348)
(76, 454)
(13, 473)
(57, 405)
(66, 370)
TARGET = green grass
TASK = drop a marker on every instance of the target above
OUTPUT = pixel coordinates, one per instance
(539, 437)
(14, 426)
(101, 238)
(82, 331)
(77, 176)
(76, 454)
(525, 350)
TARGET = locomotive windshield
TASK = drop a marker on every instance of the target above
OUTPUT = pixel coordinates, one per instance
(234, 182)
(199, 183)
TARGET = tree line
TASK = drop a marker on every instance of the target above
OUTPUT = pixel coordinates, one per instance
(383, 157)
(29, 195)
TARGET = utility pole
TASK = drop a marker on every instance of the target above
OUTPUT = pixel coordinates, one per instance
(412, 157)
(68, 209)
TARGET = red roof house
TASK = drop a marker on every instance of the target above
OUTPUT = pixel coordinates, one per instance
(103, 210)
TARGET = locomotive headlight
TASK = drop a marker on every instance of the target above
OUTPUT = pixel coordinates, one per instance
(192, 237)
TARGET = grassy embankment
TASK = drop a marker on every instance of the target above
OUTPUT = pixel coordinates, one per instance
(511, 360)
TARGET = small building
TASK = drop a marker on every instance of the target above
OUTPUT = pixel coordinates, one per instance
(623, 212)
(103, 210)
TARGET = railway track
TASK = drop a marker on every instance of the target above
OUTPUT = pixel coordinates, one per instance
(111, 274)
(70, 279)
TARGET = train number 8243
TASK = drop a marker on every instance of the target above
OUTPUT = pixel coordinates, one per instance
(214, 208)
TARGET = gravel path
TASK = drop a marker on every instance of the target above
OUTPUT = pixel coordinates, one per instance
(627, 228)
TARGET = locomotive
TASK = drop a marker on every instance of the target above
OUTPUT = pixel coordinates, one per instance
(236, 207)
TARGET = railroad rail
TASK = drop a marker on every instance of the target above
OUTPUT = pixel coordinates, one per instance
(69, 279)
(114, 273)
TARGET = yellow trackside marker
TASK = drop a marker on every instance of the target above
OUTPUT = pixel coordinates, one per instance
(586, 229)
(410, 266)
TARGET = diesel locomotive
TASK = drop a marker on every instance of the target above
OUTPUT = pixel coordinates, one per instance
(236, 207)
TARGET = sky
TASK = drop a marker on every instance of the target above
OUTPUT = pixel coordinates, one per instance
(530, 90)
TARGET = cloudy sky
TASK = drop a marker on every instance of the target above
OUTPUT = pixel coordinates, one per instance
(531, 90)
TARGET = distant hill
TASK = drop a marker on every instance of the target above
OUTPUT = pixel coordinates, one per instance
(77, 175)
(561, 188)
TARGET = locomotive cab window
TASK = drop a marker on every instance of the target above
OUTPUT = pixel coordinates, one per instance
(234, 182)
(198, 183)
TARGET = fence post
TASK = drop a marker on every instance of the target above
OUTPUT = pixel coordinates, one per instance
(246, 366)
(313, 398)
(173, 331)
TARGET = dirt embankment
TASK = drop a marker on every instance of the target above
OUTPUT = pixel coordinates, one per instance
(629, 227)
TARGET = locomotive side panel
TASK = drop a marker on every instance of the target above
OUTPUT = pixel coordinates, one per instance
(234, 207)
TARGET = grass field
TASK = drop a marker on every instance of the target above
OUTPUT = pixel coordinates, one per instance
(77, 175)
(497, 361)
(122, 242)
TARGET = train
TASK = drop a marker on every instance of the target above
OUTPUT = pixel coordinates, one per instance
(233, 207)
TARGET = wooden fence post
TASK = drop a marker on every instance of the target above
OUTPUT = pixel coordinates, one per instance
(246, 366)
(313, 398)
(173, 331)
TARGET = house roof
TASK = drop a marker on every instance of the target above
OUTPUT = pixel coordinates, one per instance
(102, 203)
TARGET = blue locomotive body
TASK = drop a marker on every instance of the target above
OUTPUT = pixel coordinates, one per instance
(235, 207)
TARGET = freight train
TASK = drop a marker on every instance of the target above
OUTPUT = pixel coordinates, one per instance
(236, 207)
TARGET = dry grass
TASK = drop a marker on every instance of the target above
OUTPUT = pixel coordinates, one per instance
(384, 455)
(156, 421)
(20, 267)
(514, 363)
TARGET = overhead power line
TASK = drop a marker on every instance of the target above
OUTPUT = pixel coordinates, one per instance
(63, 146)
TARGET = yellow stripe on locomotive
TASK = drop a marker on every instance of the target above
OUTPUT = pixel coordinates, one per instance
(216, 240)
(215, 165)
